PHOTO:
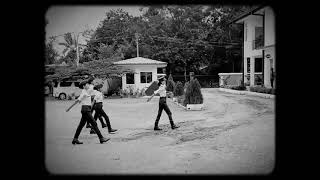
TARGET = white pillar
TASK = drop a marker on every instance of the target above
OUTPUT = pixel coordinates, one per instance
(252, 71)
(124, 78)
(267, 73)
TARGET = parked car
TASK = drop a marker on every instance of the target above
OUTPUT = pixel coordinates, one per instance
(65, 89)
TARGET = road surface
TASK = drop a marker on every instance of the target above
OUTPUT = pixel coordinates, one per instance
(235, 134)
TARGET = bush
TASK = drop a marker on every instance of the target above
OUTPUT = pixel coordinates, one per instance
(193, 93)
(170, 78)
(178, 90)
(260, 89)
(170, 85)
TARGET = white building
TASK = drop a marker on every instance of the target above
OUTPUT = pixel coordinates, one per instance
(259, 45)
(145, 72)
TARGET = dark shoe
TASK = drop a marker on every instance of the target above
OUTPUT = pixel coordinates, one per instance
(92, 131)
(104, 125)
(157, 129)
(174, 127)
(102, 140)
(112, 130)
(76, 141)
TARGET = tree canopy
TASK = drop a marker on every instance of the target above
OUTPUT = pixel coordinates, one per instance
(186, 37)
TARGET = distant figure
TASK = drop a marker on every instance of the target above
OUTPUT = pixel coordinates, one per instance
(272, 77)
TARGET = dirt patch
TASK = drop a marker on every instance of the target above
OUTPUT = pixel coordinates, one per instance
(187, 132)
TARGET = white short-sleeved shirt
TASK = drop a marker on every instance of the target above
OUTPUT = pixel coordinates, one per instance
(162, 91)
(98, 96)
(91, 90)
(85, 98)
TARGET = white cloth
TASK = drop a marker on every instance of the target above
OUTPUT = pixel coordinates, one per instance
(162, 91)
(85, 98)
(98, 96)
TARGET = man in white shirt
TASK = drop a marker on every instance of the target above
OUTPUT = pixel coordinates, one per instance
(86, 105)
(162, 104)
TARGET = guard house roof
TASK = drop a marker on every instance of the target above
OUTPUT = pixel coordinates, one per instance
(139, 61)
(248, 13)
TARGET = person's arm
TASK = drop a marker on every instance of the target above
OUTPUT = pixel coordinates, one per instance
(155, 92)
(150, 97)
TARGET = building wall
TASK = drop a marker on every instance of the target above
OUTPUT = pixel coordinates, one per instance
(270, 41)
(230, 79)
(270, 27)
(137, 69)
(250, 23)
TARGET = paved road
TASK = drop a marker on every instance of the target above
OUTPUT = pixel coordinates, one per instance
(235, 134)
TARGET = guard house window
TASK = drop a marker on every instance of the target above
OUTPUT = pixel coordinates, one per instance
(130, 78)
(145, 77)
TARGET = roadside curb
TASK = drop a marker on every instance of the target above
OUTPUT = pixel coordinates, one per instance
(268, 96)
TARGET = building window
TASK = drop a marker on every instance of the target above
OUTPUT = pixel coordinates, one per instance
(248, 65)
(161, 70)
(65, 84)
(145, 77)
(130, 78)
(258, 38)
(258, 65)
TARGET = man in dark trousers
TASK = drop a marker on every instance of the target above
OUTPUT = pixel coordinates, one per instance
(162, 104)
(85, 100)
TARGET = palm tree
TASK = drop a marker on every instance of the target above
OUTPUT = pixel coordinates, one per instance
(71, 43)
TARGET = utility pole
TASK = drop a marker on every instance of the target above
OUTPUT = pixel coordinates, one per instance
(137, 42)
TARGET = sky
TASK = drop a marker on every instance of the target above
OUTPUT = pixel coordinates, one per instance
(63, 19)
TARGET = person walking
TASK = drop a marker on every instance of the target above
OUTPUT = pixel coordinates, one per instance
(85, 100)
(91, 91)
(162, 104)
(98, 107)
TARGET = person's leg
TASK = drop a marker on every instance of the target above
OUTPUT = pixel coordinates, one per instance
(101, 121)
(105, 116)
(158, 116)
(90, 119)
(78, 131)
(99, 115)
(167, 110)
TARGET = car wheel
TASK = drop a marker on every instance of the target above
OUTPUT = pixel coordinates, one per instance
(62, 96)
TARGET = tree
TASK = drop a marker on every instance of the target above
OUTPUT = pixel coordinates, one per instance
(193, 93)
(50, 53)
(178, 90)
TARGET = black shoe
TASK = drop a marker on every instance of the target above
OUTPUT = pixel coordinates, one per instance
(76, 141)
(112, 130)
(157, 129)
(102, 140)
(92, 131)
(174, 127)
(104, 125)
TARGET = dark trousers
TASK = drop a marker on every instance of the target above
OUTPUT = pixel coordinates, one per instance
(100, 113)
(87, 117)
(163, 106)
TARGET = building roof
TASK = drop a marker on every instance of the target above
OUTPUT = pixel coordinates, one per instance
(139, 60)
(248, 13)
